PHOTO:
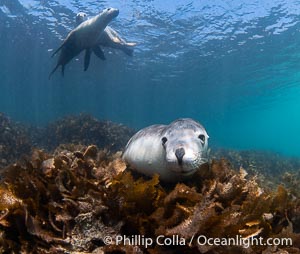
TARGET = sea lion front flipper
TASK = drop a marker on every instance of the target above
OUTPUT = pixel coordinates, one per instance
(98, 52)
(87, 58)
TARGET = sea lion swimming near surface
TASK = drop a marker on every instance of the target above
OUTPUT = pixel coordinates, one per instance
(84, 37)
(174, 151)
(110, 37)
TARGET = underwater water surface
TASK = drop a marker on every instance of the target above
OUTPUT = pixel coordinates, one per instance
(232, 65)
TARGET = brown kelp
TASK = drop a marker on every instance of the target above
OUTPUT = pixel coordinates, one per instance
(46, 199)
(79, 197)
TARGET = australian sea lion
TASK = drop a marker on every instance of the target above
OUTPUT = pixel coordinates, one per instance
(110, 37)
(84, 37)
(174, 151)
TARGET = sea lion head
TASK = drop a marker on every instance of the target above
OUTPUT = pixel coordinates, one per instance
(185, 142)
(99, 21)
(109, 14)
(81, 17)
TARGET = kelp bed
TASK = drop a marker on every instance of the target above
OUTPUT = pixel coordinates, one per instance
(18, 139)
(71, 200)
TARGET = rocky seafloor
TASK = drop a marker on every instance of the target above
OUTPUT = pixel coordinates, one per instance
(81, 198)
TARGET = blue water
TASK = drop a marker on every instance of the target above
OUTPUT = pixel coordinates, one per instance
(232, 65)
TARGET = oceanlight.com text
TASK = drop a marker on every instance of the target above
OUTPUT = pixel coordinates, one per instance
(245, 242)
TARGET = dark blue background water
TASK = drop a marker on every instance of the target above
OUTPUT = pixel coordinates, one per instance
(232, 65)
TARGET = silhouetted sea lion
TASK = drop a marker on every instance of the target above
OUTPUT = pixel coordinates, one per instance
(84, 37)
(174, 151)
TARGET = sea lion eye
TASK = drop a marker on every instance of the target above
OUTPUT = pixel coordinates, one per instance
(164, 140)
(202, 138)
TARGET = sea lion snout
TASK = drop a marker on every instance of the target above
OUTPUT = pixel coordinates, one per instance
(113, 11)
(179, 153)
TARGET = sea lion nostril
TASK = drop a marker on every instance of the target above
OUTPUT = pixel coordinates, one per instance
(179, 153)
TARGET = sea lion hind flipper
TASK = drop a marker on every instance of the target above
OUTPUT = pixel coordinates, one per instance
(99, 52)
(63, 70)
(87, 58)
(131, 44)
(55, 52)
(128, 50)
(69, 38)
(55, 68)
